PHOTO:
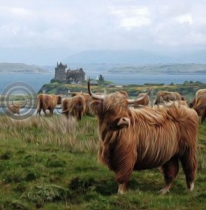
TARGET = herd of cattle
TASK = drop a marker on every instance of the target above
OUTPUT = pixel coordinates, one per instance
(135, 135)
(78, 104)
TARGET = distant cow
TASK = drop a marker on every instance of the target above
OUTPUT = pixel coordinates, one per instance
(178, 103)
(168, 96)
(74, 106)
(47, 101)
(65, 107)
(87, 98)
(200, 107)
(139, 139)
(199, 104)
(200, 92)
(14, 109)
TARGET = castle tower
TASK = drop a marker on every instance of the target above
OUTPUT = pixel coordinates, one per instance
(60, 72)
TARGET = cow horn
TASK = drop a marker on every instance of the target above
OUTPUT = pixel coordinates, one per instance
(100, 97)
(133, 101)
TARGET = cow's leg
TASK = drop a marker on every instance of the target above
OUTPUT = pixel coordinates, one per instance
(123, 166)
(122, 179)
(170, 170)
(189, 165)
(38, 113)
(122, 188)
(51, 112)
(44, 110)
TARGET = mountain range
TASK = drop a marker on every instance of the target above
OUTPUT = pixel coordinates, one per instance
(135, 57)
(122, 61)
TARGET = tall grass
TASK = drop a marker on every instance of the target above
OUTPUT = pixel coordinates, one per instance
(57, 130)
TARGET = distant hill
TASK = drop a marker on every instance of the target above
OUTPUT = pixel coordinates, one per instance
(188, 68)
(115, 57)
(21, 68)
(104, 68)
(140, 57)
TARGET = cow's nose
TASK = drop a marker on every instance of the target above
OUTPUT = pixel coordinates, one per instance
(124, 121)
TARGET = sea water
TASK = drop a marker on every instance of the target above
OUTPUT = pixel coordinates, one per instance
(37, 80)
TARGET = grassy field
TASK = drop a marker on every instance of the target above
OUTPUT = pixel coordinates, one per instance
(51, 163)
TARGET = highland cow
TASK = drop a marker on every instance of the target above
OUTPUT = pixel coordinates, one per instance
(46, 101)
(199, 93)
(14, 109)
(74, 106)
(87, 98)
(168, 96)
(146, 138)
(200, 107)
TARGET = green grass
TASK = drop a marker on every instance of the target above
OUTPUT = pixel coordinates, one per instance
(51, 163)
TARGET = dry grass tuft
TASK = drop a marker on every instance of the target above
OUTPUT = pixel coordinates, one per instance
(56, 130)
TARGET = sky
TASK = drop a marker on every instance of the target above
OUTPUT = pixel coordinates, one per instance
(44, 31)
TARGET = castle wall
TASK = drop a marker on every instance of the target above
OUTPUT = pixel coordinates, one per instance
(76, 75)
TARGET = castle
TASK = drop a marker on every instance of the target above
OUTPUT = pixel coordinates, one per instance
(68, 76)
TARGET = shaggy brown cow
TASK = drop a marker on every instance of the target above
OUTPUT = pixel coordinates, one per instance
(65, 107)
(200, 92)
(200, 107)
(138, 139)
(87, 100)
(74, 106)
(178, 103)
(168, 96)
(14, 109)
(47, 101)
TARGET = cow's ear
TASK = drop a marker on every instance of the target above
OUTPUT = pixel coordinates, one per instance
(96, 107)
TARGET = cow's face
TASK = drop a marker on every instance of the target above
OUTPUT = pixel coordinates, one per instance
(112, 111)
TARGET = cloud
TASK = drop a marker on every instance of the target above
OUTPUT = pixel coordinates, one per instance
(131, 16)
(103, 24)
(187, 18)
